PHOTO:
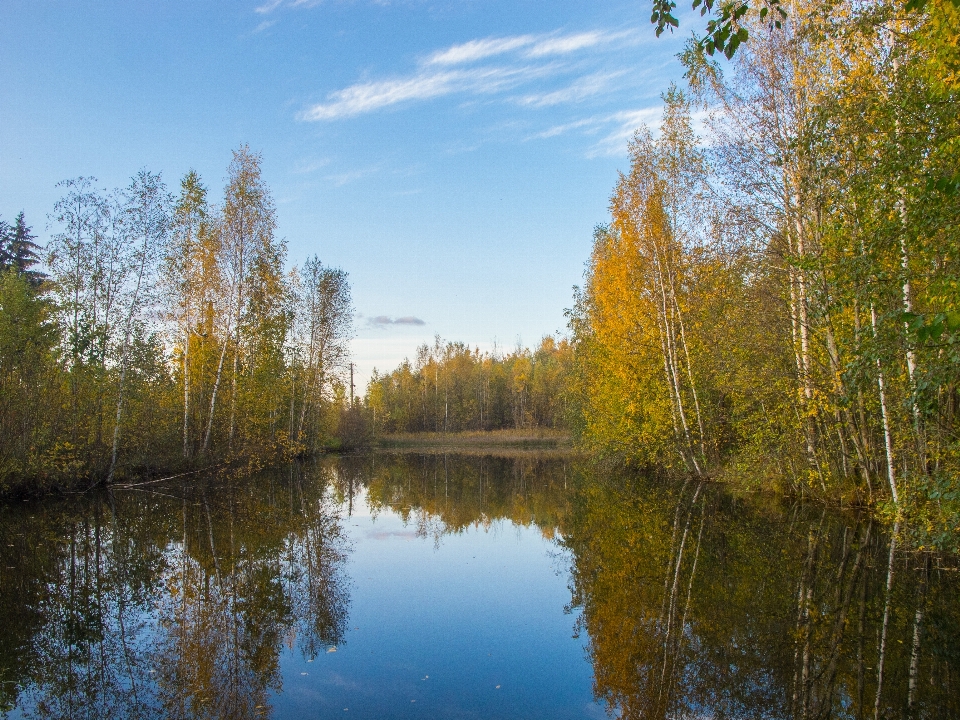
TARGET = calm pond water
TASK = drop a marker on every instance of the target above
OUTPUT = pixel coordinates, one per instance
(411, 586)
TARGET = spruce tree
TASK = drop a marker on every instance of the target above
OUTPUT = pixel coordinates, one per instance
(21, 252)
(18, 251)
(5, 237)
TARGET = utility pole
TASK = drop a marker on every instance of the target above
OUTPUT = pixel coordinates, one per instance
(351, 384)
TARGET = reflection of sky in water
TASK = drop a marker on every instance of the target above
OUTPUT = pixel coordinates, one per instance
(439, 582)
(435, 627)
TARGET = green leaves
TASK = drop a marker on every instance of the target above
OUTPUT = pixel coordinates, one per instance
(945, 185)
(942, 489)
(724, 32)
(663, 16)
(930, 327)
(921, 5)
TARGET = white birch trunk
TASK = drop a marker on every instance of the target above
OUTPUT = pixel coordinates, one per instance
(693, 385)
(887, 436)
(886, 622)
(917, 631)
(804, 323)
(213, 395)
(186, 392)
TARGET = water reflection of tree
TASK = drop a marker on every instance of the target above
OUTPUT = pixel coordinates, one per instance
(698, 604)
(178, 603)
(74, 607)
(173, 603)
(442, 494)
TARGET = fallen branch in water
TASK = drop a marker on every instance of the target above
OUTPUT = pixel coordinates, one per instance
(129, 486)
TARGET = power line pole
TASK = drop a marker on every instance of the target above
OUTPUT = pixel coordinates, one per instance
(351, 384)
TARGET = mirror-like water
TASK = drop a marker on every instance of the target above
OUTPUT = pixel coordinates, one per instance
(451, 586)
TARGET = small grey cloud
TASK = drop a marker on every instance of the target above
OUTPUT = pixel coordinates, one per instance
(381, 320)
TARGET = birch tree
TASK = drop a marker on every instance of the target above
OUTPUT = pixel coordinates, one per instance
(146, 216)
(249, 254)
(192, 282)
(322, 330)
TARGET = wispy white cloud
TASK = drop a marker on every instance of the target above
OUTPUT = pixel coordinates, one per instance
(479, 50)
(564, 44)
(530, 46)
(443, 73)
(589, 124)
(624, 125)
(269, 6)
(424, 85)
(263, 26)
(580, 89)
(616, 129)
(345, 178)
(272, 5)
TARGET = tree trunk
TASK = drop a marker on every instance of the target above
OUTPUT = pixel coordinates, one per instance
(804, 327)
(671, 361)
(887, 437)
(186, 393)
(917, 631)
(886, 622)
(213, 395)
(233, 397)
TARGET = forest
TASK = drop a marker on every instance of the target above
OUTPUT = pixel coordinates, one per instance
(451, 388)
(772, 301)
(730, 488)
(165, 333)
(775, 296)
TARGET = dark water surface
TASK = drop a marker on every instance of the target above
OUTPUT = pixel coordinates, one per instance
(409, 586)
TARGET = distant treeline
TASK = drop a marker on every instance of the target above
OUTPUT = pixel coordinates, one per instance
(449, 388)
(781, 299)
(167, 333)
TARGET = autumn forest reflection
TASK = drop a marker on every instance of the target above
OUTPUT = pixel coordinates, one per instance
(170, 603)
(182, 600)
(701, 604)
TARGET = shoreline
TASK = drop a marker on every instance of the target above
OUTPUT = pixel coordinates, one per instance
(534, 438)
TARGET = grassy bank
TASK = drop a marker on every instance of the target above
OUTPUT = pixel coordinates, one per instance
(490, 442)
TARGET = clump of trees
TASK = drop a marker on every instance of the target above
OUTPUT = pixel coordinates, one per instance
(781, 296)
(451, 388)
(168, 333)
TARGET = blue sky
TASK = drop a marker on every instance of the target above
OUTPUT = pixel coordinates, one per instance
(452, 156)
